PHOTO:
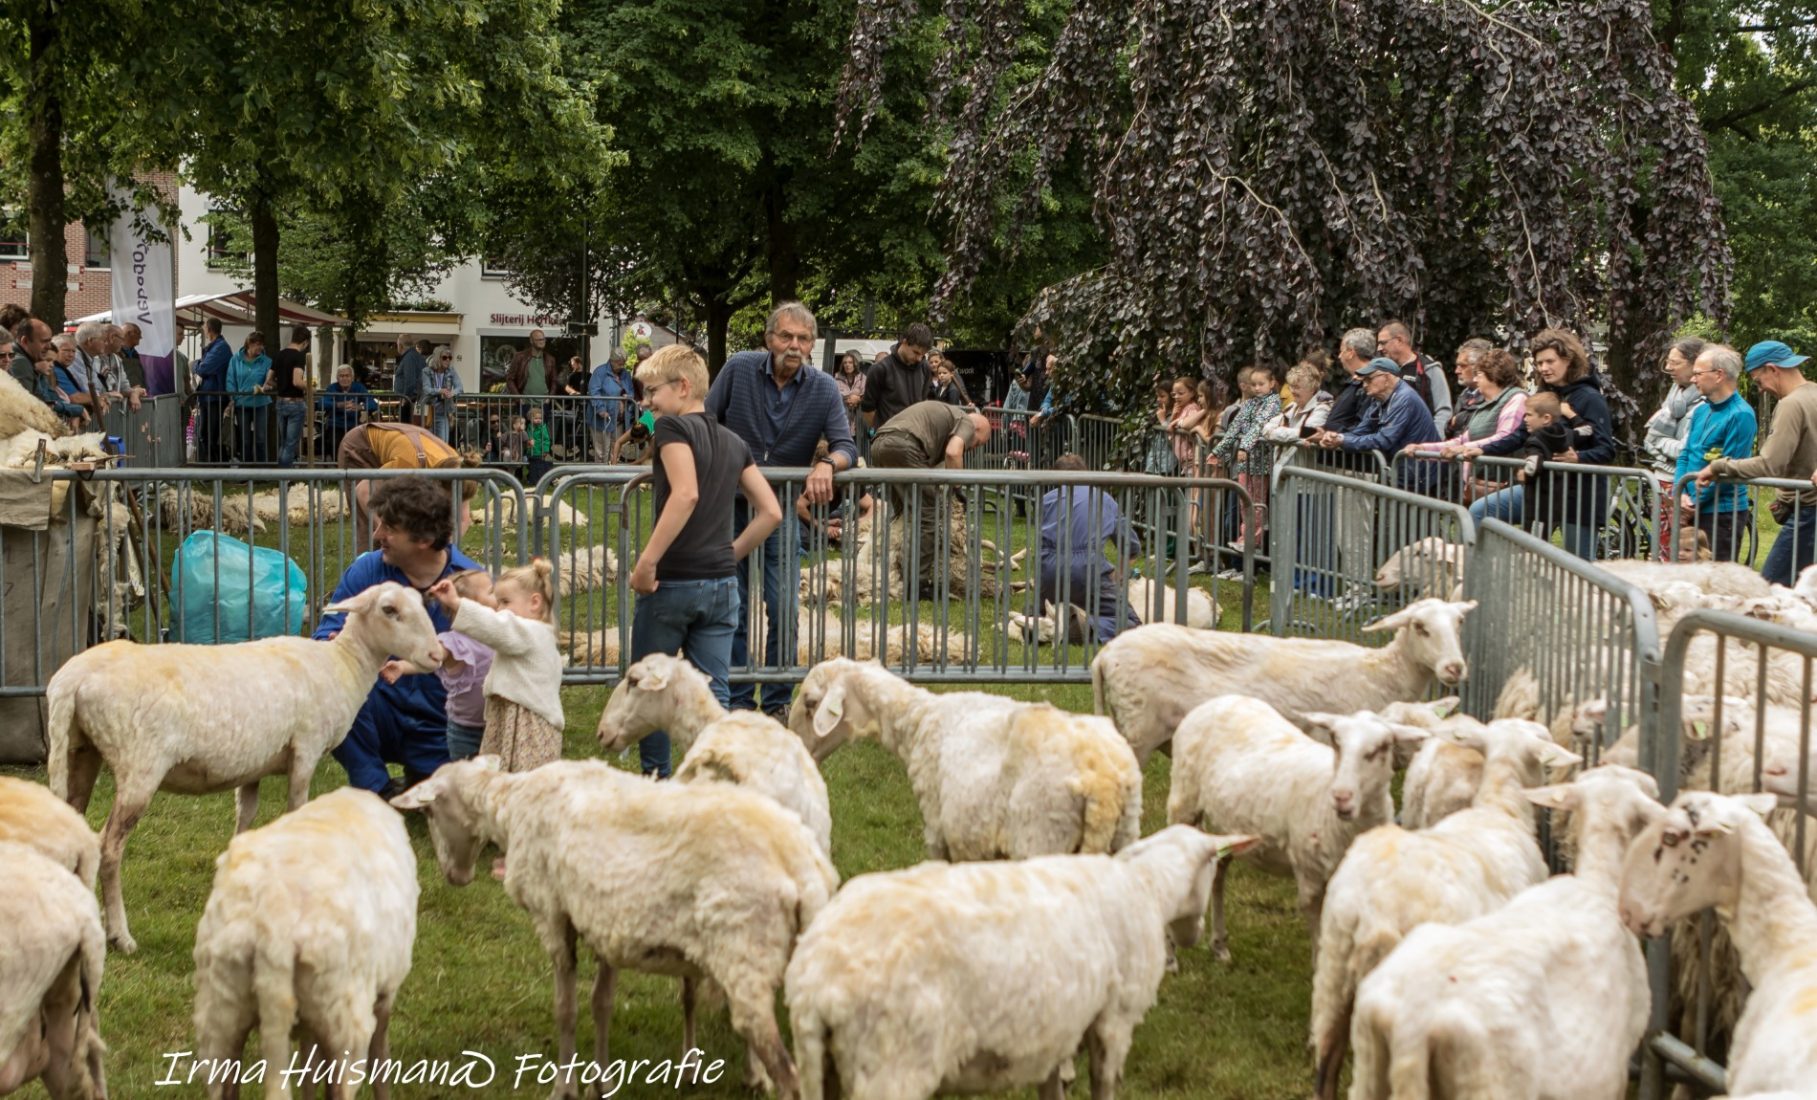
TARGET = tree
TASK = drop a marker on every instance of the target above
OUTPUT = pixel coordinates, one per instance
(1266, 172)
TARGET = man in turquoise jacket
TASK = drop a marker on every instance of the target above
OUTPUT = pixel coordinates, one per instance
(1722, 427)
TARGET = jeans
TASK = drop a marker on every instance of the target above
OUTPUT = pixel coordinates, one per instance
(1506, 505)
(1724, 530)
(290, 430)
(1792, 550)
(464, 741)
(779, 600)
(441, 418)
(699, 618)
(252, 435)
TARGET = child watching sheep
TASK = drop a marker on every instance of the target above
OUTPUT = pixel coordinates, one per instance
(463, 672)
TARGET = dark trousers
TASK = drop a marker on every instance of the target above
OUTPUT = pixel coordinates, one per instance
(897, 451)
(1724, 530)
(779, 602)
(380, 736)
(1078, 592)
(1792, 550)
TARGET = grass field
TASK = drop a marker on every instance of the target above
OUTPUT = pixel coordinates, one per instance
(480, 981)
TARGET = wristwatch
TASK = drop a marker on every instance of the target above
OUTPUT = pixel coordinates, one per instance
(829, 462)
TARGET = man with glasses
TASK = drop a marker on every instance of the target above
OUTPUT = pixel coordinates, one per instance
(782, 407)
(1721, 426)
(1790, 451)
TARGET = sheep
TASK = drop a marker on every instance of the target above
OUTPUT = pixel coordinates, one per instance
(820, 636)
(1714, 850)
(1042, 629)
(182, 509)
(310, 922)
(1427, 568)
(299, 507)
(1148, 678)
(1545, 997)
(31, 815)
(1391, 879)
(20, 451)
(586, 568)
(1725, 578)
(897, 988)
(693, 880)
(50, 978)
(1239, 766)
(754, 751)
(179, 718)
(1442, 776)
(590, 648)
(503, 507)
(21, 411)
(995, 779)
(981, 578)
(1201, 612)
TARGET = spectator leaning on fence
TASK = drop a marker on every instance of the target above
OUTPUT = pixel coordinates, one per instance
(1495, 414)
(404, 722)
(1244, 452)
(290, 381)
(344, 404)
(441, 385)
(1667, 426)
(1355, 349)
(613, 408)
(1563, 367)
(407, 380)
(132, 368)
(33, 368)
(1790, 451)
(87, 385)
(925, 436)
(686, 575)
(1722, 426)
(781, 406)
(1393, 416)
(1077, 522)
(248, 376)
(1422, 372)
(1305, 413)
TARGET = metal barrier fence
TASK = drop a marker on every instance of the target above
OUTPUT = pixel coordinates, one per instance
(123, 529)
(1744, 740)
(151, 434)
(1774, 517)
(849, 578)
(1598, 512)
(1367, 465)
(1554, 631)
(1334, 535)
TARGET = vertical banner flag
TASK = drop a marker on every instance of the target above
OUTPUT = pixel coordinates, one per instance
(143, 295)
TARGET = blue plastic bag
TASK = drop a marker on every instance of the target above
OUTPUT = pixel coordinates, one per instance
(267, 581)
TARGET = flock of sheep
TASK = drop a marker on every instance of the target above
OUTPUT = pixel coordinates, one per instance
(1446, 958)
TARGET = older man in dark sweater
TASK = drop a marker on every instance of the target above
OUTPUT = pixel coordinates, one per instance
(782, 408)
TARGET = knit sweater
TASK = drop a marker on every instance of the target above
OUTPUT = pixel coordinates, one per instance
(1790, 449)
(1667, 427)
(781, 428)
(526, 666)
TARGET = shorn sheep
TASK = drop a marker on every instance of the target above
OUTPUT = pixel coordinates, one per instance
(1392, 880)
(898, 989)
(1544, 997)
(995, 779)
(1240, 767)
(1714, 851)
(1147, 679)
(689, 880)
(31, 815)
(50, 978)
(311, 922)
(1442, 776)
(745, 748)
(180, 718)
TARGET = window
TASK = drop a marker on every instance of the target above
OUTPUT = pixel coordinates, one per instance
(220, 250)
(14, 243)
(493, 268)
(98, 247)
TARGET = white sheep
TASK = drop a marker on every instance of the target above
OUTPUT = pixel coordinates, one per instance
(50, 978)
(1442, 776)
(1544, 997)
(701, 880)
(1239, 766)
(1201, 612)
(20, 451)
(585, 568)
(181, 718)
(21, 411)
(1725, 578)
(1044, 629)
(1430, 567)
(995, 778)
(1713, 850)
(31, 815)
(310, 923)
(1392, 880)
(751, 750)
(591, 648)
(903, 986)
(183, 509)
(1148, 678)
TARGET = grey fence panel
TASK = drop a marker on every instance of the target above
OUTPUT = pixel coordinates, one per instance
(1774, 513)
(1607, 511)
(1555, 631)
(1333, 534)
(1095, 439)
(849, 576)
(1746, 736)
(141, 518)
(151, 435)
(1010, 442)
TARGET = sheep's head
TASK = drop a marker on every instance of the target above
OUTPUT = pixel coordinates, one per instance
(647, 698)
(1430, 630)
(450, 797)
(1430, 560)
(1779, 771)
(1604, 800)
(1190, 861)
(1363, 762)
(389, 618)
(1527, 743)
(827, 712)
(1688, 860)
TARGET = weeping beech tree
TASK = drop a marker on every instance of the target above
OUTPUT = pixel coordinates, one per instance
(1267, 173)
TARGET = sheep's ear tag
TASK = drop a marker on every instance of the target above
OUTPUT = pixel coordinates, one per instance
(1699, 731)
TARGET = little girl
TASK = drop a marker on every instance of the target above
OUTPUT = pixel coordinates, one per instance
(464, 672)
(523, 689)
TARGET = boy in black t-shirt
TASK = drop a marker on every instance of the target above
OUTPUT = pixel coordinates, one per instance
(686, 576)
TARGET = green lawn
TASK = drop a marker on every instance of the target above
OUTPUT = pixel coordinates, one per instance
(481, 982)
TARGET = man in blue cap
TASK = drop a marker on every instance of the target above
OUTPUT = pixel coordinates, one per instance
(1393, 414)
(1790, 451)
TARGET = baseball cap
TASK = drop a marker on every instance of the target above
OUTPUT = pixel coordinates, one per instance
(1772, 353)
(1378, 365)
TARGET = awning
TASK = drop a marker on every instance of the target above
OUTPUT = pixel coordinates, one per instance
(236, 307)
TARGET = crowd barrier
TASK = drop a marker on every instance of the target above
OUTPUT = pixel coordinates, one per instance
(1747, 530)
(1682, 1036)
(151, 436)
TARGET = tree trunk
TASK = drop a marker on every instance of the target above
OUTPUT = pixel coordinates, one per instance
(264, 220)
(719, 316)
(784, 259)
(44, 185)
